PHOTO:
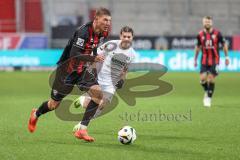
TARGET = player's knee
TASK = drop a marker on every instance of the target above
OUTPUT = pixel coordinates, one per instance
(95, 92)
(203, 81)
(99, 95)
(203, 77)
(211, 78)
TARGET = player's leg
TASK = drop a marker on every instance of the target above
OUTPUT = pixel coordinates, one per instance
(213, 72)
(211, 79)
(59, 91)
(96, 96)
(108, 91)
(204, 82)
(44, 108)
(203, 78)
(211, 85)
(82, 101)
(85, 99)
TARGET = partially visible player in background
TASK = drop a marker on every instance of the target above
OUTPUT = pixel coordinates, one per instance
(111, 73)
(72, 66)
(208, 41)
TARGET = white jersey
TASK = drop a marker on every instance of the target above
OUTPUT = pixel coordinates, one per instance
(116, 59)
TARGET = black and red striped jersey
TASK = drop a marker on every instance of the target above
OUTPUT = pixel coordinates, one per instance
(83, 43)
(209, 42)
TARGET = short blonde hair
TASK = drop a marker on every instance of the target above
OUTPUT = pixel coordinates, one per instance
(207, 17)
(102, 11)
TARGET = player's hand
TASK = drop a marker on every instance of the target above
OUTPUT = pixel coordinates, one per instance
(119, 84)
(227, 61)
(195, 63)
(99, 58)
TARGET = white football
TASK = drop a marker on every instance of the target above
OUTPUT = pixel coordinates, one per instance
(127, 135)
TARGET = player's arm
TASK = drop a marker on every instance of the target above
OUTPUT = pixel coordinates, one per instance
(124, 73)
(106, 48)
(120, 83)
(101, 52)
(80, 56)
(78, 49)
(125, 70)
(225, 50)
(225, 47)
(197, 49)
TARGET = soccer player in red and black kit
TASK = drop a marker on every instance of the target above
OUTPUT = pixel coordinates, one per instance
(73, 67)
(208, 40)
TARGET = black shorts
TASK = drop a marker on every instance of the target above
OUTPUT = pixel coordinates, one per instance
(64, 83)
(209, 69)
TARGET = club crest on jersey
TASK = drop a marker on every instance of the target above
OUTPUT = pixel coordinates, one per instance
(80, 42)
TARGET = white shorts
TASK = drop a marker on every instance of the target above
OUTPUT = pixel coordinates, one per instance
(108, 91)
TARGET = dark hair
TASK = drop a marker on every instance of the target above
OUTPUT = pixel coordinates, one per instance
(126, 29)
(102, 11)
(208, 17)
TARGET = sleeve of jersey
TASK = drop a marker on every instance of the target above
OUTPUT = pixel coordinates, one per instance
(133, 56)
(101, 49)
(106, 48)
(221, 39)
(198, 42)
(78, 47)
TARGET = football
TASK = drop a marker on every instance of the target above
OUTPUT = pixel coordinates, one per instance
(127, 135)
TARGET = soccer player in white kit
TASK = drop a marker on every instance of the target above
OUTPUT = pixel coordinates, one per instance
(111, 73)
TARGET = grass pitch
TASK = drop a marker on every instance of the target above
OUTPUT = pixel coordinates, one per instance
(188, 130)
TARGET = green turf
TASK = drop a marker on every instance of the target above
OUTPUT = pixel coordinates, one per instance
(210, 133)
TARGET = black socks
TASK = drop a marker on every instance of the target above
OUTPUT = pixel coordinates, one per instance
(89, 113)
(204, 85)
(208, 87)
(211, 87)
(42, 109)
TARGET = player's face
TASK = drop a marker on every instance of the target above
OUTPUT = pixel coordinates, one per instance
(103, 23)
(207, 23)
(126, 39)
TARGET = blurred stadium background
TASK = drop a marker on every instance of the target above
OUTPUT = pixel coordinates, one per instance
(159, 25)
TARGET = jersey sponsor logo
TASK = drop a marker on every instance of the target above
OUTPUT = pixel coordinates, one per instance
(80, 42)
(213, 36)
(209, 44)
(120, 59)
(55, 92)
(119, 62)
